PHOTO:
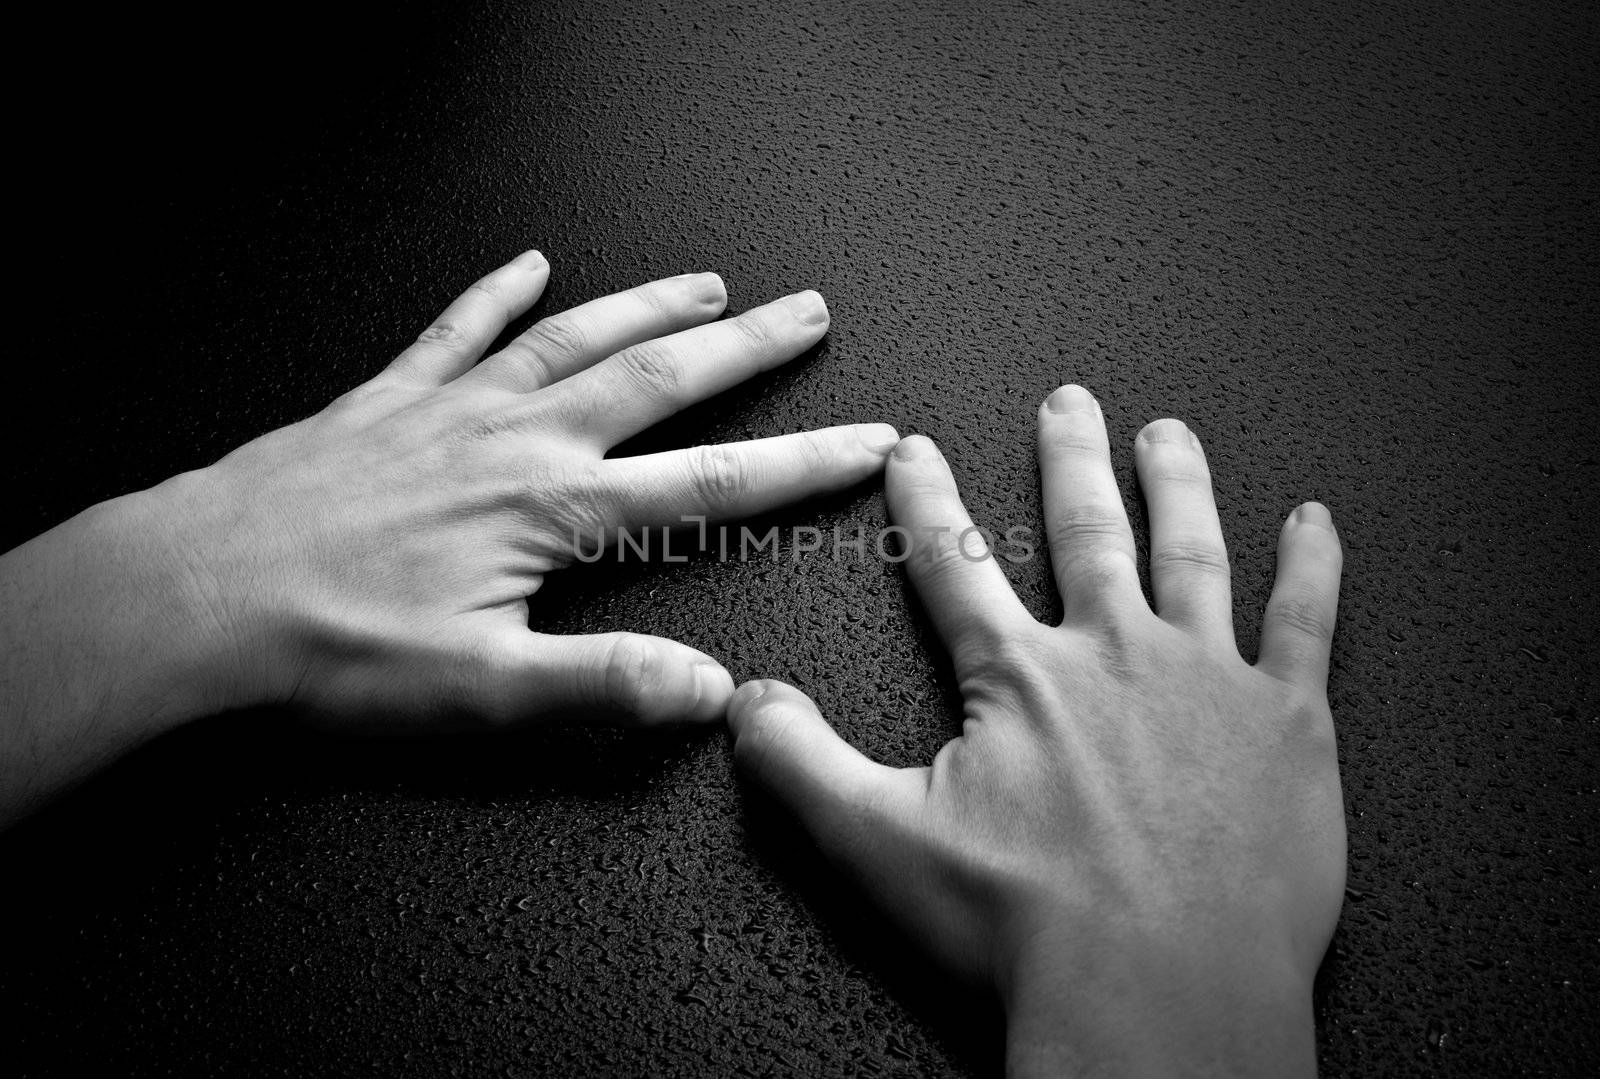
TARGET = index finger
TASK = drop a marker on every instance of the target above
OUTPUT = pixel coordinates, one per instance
(962, 587)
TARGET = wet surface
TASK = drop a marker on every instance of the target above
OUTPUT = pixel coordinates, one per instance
(1353, 245)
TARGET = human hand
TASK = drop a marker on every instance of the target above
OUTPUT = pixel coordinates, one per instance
(375, 560)
(1138, 839)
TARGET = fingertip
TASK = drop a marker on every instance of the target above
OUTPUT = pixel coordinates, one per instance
(880, 438)
(709, 288)
(809, 307)
(713, 688)
(913, 447)
(1071, 398)
(742, 703)
(1313, 513)
(761, 694)
(1164, 430)
(532, 260)
(658, 682)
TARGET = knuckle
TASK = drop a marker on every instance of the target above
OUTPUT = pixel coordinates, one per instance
(577, 506)
(1315, 723)
(558, 335)
(1133, 645)
(757, 747)
(630, 671)
(488, 689)
(444, 334)
(662, 297)
(654, 371)
(816, 453)
(1002, 661)
(1094, 573)
(578, 530)
(936, 551)
(1301, 612)
(1071, 441)
(1309, 717)
(471, 425)
(490, 286)
(368, 397)
(1187, 470)
(1088, 525)
(721, 476)
(1191, 556)
(756, 331)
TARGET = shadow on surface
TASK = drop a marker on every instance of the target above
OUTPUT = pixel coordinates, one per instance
(965, 1020)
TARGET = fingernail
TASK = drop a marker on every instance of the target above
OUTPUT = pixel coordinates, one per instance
(708, 286)
(808, 307)
(1314, 513)
(750, 693)
(878, 437)
(710, 681)
(1070, 399)
(914, 445)
(1166, 431)
(533, 259)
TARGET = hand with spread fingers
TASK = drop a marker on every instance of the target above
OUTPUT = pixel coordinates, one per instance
(373, 563)
(1138, 838)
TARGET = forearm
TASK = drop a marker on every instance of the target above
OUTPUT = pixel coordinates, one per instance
(106, 640)
(1136, 1011)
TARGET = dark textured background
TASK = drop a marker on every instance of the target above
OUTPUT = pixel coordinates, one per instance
(1353, 244)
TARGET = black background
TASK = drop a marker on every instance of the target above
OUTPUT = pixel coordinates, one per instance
(1352, 245)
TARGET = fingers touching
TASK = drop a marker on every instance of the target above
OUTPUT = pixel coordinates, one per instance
(627, 677)
(955, 573)
(608, 369)
(741, 479)
(783, 743)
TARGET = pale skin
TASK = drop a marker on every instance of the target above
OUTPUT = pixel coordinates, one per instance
(1138, 839)
(373, 566)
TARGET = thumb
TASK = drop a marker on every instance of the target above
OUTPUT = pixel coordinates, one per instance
(782, 741)
(630, 678)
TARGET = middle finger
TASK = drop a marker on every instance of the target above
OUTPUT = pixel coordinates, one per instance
(1091, 544)
(1188, 558)
(556, 347)
(640, 386)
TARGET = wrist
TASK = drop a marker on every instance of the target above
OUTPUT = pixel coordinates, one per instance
(165, 589)
(107, 640)
(1153, 1007)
